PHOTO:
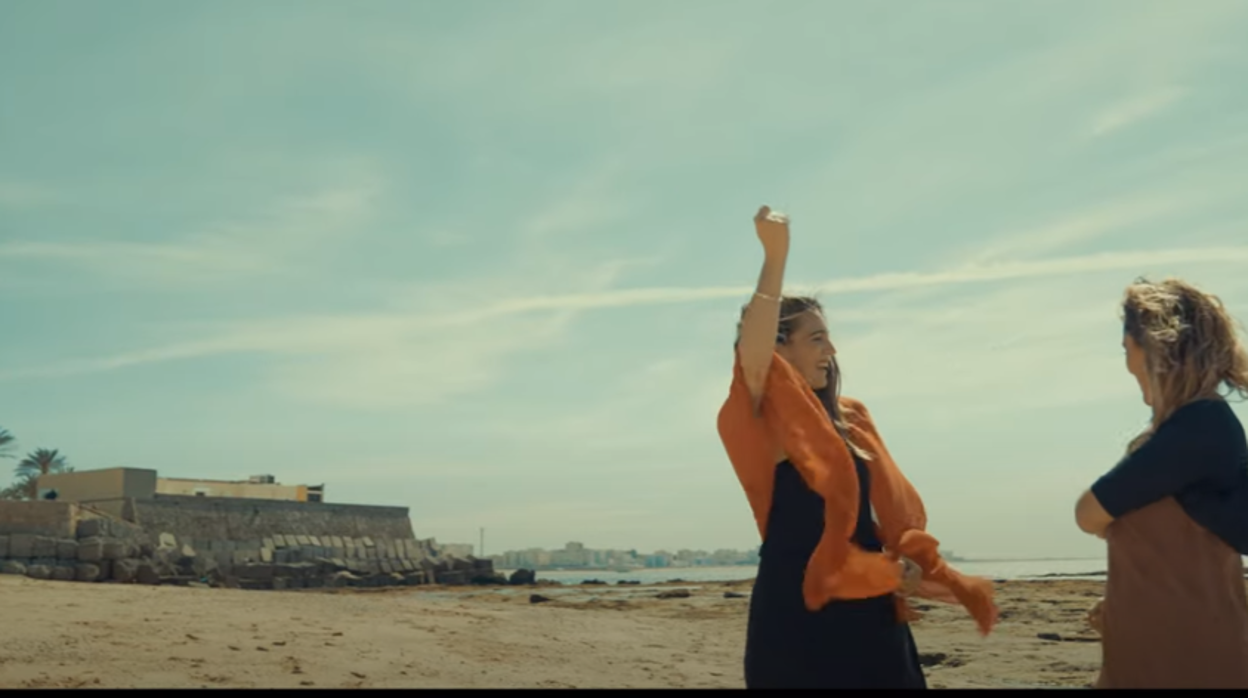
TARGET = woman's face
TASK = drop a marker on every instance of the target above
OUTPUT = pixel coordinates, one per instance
(810, 350)
(1137, 365)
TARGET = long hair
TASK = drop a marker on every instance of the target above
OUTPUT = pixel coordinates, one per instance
(1191, 345)
(792, 310)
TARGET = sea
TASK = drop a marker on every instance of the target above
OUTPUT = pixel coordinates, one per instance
(1072, 568)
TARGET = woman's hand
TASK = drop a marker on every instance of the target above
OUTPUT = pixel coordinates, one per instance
(1096, 616)
(911, 576)
(773, 231)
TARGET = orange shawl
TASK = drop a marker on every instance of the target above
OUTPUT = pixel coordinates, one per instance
(793, 418)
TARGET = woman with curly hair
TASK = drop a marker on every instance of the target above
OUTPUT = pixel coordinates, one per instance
(1174, 510)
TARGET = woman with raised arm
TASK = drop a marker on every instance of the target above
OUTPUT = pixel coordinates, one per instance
(1174, 510)
(843, 531)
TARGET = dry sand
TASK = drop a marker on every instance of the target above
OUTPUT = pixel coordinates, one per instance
(59, 634)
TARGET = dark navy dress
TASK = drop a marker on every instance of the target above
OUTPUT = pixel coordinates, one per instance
(847, 644)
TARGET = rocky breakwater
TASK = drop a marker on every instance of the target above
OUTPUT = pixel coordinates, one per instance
(115, 551)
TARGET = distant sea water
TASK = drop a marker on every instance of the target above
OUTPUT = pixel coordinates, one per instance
(1074, 568)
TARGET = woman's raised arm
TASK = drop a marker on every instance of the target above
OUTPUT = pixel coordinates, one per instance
(761, 320)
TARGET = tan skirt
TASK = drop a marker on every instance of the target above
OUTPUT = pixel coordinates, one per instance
(1175, 611)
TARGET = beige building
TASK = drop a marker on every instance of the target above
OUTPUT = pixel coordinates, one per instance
(258, 487)
(118, 483)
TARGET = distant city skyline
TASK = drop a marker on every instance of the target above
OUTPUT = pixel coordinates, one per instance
(485, 259)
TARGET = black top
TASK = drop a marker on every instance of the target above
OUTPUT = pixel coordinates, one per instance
(1200, 457)
(795, 523)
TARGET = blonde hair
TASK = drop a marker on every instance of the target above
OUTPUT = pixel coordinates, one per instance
(1191, 345)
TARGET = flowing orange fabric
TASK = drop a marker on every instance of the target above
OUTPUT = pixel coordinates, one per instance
(792, 418)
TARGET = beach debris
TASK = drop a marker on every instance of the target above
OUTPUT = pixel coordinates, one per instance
(934, 659)
(674, 594)
(1055, 637)
(358, 675)
(733, 595)
(538, 598)
(628, 582)
(592, 582)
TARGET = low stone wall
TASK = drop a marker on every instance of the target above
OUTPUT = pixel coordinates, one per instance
(224, 518)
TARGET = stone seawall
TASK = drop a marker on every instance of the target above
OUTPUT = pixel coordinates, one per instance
(230, 519)
(230, 543)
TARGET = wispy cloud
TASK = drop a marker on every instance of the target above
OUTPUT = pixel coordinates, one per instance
(1134, 110)
(274, 241)
(419, 358)
(1116, 216)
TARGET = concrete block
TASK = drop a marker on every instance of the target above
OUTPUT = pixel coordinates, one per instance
(368, 542)
(282, 556)
(292, 541)
(336, 542)
(39, 570)
(409, 566)
(266, 555)
(64, 572)
(268, 543)
(44, 546)
(302, 541)
(114, 549)
(91, 549)
(146, 573)
(168, 540)
(67, 549)
(125, 571)
(4, 547)
(371, 553)
(385, 567)
(13, 567)
(92, 528)
(86, 572)
(314, 540)
(349, 542)
(256, 572)
(240, 557)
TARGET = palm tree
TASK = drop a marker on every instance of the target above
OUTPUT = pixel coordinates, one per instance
(6, 443)
(42, 461)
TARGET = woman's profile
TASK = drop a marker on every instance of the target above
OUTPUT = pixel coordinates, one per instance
(843, 530)
(1174, 510)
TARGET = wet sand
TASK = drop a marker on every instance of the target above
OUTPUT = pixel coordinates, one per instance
(60, 634)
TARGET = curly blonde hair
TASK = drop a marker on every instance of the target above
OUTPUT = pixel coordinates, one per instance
(1191, 344)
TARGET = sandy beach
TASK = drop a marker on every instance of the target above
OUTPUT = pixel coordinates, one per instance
(66, 635)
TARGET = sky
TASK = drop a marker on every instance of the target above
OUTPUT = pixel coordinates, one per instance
(485, 259)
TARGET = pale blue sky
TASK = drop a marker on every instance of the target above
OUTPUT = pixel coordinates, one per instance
(484, 259)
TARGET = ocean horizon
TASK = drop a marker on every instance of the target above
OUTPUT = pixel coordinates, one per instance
(1066, 568)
